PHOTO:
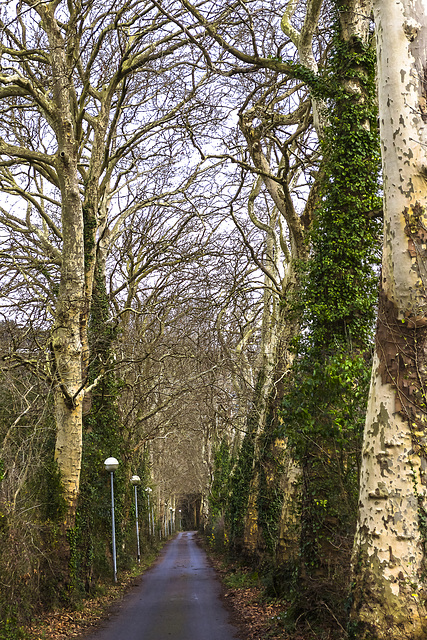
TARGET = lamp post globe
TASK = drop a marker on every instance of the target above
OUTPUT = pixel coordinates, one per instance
(111, 464)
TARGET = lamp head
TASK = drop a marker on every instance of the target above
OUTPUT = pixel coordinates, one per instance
(111, 464)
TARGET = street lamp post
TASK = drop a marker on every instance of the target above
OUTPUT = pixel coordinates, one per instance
(149, 490)
(111, 465)
(180, 524)
(136, 480)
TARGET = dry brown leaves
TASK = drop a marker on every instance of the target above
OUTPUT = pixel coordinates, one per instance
(62, 625)
(255, 618)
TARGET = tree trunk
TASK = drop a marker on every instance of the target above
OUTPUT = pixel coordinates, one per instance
(67, 330)
(390, 543)
(280, 326)
(290, 523)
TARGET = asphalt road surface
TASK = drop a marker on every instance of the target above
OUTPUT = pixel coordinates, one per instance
(178, 599)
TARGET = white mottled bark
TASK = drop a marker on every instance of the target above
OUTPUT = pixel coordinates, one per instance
(389, 554)
(67, 344)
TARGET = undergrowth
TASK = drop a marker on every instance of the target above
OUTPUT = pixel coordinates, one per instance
(270, 611)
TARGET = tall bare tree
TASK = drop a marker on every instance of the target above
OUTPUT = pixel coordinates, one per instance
(390, 545)
(78, 98)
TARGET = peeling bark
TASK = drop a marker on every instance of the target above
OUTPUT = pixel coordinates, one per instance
(67, 330)
(389, 555)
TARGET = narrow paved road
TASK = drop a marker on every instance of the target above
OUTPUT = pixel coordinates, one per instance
(178, 599)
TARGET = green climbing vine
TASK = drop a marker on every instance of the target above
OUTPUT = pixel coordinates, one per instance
(242, 475)
(102, 437)
(239, 495)
(219, 491)
(323, 409)
(270, 494)
(89, 230)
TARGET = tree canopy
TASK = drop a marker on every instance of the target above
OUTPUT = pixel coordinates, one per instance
(190, 238)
